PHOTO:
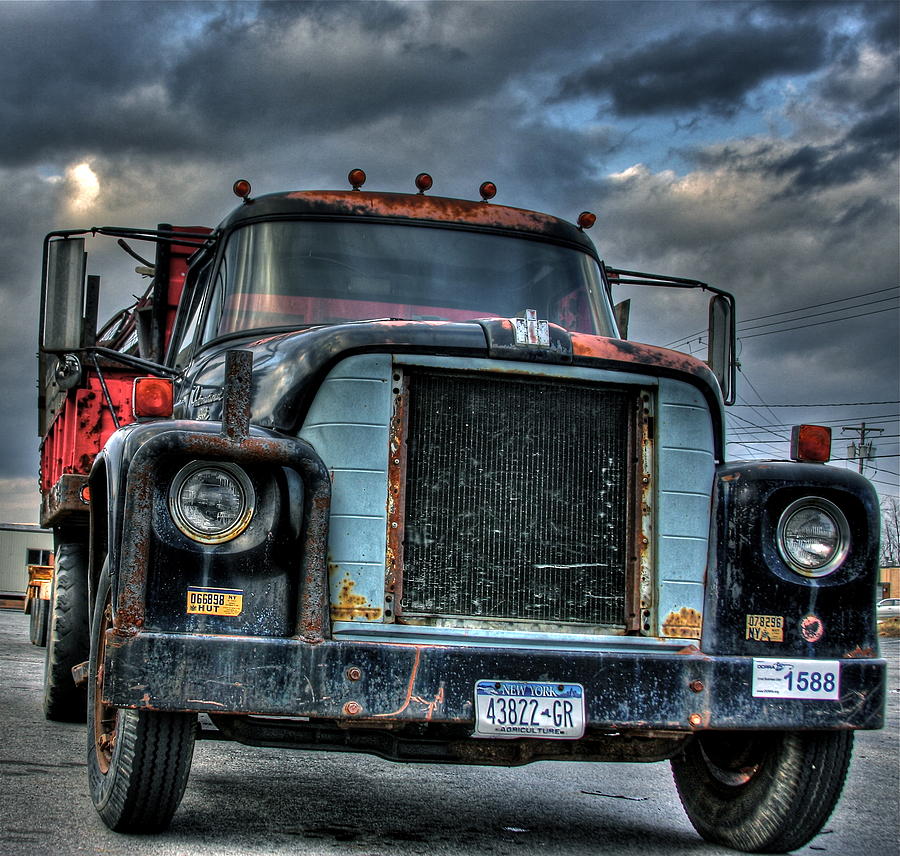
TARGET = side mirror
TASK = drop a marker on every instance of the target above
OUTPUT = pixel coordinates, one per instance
(720, 357)
(622, 312)
(64, 296)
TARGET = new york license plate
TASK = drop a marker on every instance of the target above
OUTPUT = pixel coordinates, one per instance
(529, 709)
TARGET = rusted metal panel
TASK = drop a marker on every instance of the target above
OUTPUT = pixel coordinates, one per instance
(641, 589)
(66, 497)
(645, 356)
(396, 499)
(83, 425)
(408, 206)
(236, 404)
(684, 624)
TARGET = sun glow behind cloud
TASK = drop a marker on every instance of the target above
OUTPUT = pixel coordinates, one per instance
(83, 187)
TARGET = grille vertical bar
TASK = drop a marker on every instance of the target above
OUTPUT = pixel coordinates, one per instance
(516, 499)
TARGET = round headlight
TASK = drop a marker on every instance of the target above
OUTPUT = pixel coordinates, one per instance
(813, 536)
(211, 502)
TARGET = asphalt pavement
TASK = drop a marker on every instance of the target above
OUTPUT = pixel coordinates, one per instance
(241, 800)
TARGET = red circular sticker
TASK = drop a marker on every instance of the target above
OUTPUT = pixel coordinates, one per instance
(812, 628)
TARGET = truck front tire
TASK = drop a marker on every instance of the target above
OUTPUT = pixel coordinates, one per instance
(762, 792)
(67, 634)
(138, 760)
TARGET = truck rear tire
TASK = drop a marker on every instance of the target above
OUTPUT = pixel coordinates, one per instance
(37, 627)
(762, 792)
(67, 634)
(138, 760)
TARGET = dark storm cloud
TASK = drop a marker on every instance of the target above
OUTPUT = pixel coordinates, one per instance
(84, 77)
(710, 70)
(197, 80)
(869, 145)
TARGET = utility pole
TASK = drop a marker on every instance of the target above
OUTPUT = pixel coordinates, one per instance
(864, 451)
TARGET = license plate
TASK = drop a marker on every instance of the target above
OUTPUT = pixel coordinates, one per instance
(528, 709)
(214, 601)
(800, 679)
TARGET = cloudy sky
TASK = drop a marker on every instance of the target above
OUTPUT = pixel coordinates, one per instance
(751, 145)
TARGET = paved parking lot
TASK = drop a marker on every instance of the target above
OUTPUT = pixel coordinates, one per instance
(242, 800)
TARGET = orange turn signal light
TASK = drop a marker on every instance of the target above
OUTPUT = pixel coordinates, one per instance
(153, 397)
(242, 188)
(811, 443)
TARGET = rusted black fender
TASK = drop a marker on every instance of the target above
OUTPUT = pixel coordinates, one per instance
(827, 617)
(133, 533)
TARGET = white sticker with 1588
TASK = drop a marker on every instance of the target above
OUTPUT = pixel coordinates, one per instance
(800, 679)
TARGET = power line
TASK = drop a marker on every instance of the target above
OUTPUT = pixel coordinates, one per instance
(825, 303)
(757, 440)
(820, 314)
(832, 404)
(684, 340)
(814, 324)
(873, 419)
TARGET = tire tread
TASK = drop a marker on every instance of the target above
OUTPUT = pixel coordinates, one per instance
(67, 635)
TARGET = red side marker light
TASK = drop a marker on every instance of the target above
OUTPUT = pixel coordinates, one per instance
(357, 178)
(586, 219)
(242, 189)
(153, 397)
(810, 443)
(85, 494)
(488, 190)
(424, 182)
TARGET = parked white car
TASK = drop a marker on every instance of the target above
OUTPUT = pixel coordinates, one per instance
(888, 608)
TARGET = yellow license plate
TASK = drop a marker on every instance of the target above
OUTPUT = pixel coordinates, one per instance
(214, 601)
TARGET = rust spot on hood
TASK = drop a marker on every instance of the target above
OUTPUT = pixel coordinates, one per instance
(619, 350)
(684, 624)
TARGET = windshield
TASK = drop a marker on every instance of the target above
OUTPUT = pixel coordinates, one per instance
(298, 273)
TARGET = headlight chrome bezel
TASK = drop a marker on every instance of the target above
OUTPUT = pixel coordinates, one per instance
(245, 491)
(841, 527)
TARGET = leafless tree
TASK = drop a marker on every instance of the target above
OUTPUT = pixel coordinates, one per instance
(890, 532)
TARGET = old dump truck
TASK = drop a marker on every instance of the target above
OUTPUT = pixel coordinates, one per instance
(379, 472)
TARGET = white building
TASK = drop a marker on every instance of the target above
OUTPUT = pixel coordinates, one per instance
(21, 544)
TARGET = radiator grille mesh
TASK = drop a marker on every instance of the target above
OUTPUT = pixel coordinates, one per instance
(516, 499)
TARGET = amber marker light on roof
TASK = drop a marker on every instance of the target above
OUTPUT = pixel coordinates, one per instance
(242, 188)
(152, 397)
(488, 190)
(424, 182)
(586, 219)
(811, 443)
(357, 178)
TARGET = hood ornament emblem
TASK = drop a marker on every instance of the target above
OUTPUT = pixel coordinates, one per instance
(530, 331)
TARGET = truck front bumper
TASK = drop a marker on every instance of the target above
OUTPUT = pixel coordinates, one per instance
(393, 684)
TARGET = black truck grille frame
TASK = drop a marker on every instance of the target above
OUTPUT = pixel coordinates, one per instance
(518, 498)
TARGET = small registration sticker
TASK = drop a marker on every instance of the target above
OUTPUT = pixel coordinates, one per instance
(510, 709)
(214, 601)
(800, 679)
(765, 628)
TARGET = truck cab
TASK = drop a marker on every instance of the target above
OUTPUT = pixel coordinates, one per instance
(379, 472)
